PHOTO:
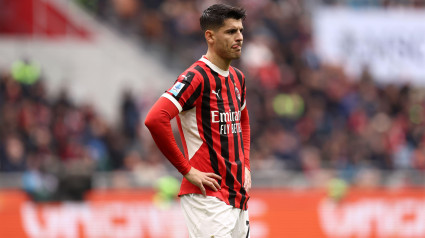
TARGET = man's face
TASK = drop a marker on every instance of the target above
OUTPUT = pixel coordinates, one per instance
(228, 39)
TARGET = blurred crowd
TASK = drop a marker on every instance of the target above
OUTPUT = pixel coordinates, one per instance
(59, 144)
(305, 115)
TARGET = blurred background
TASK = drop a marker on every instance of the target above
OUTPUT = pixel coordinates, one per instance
(335, 91)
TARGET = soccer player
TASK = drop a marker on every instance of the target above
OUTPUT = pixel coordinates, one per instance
(209, 101)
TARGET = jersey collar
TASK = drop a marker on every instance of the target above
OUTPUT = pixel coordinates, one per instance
(223, 73)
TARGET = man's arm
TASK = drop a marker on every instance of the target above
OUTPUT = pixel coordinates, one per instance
(158, 123)
(246, 134)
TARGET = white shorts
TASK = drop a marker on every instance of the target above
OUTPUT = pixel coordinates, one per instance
(209, 217)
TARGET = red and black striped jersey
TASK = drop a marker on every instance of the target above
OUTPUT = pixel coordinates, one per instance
(210, 102)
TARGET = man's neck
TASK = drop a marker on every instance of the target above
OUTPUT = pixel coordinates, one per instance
(218, 61)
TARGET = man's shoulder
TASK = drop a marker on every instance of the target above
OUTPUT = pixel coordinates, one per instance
(195, 70)
(196, 66)
(191, 74)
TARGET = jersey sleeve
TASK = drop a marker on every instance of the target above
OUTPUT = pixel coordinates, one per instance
(185, 91)
(246, 137)
(158, 123)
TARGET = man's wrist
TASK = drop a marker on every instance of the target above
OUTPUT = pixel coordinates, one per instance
(186, 170)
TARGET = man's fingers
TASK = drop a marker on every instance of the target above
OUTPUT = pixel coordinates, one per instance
(215, 183)
(213, 175)
(200, 179)
(211, 185)
(201, 186)
(247, 187)
(210, 182)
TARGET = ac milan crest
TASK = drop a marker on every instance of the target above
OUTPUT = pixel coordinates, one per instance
(238, 94)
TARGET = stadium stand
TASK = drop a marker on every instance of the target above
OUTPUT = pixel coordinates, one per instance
(306, 116)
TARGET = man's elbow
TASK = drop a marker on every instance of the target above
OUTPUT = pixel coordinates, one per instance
(149, 122)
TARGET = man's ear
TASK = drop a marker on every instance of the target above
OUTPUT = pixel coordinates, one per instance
(209, 36)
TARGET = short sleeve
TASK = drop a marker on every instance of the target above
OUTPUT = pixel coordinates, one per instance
(185, 91)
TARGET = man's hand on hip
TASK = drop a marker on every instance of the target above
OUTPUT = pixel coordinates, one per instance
(247, 183)
(199, 179)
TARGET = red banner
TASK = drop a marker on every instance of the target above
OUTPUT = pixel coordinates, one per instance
(273, 213)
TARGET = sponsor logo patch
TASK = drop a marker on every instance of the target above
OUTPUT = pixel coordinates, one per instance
(176, 88)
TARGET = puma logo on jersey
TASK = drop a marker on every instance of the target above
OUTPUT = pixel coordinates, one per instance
(216, 93)
(184, 76)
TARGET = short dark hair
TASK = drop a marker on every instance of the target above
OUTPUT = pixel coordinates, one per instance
(213, 17)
